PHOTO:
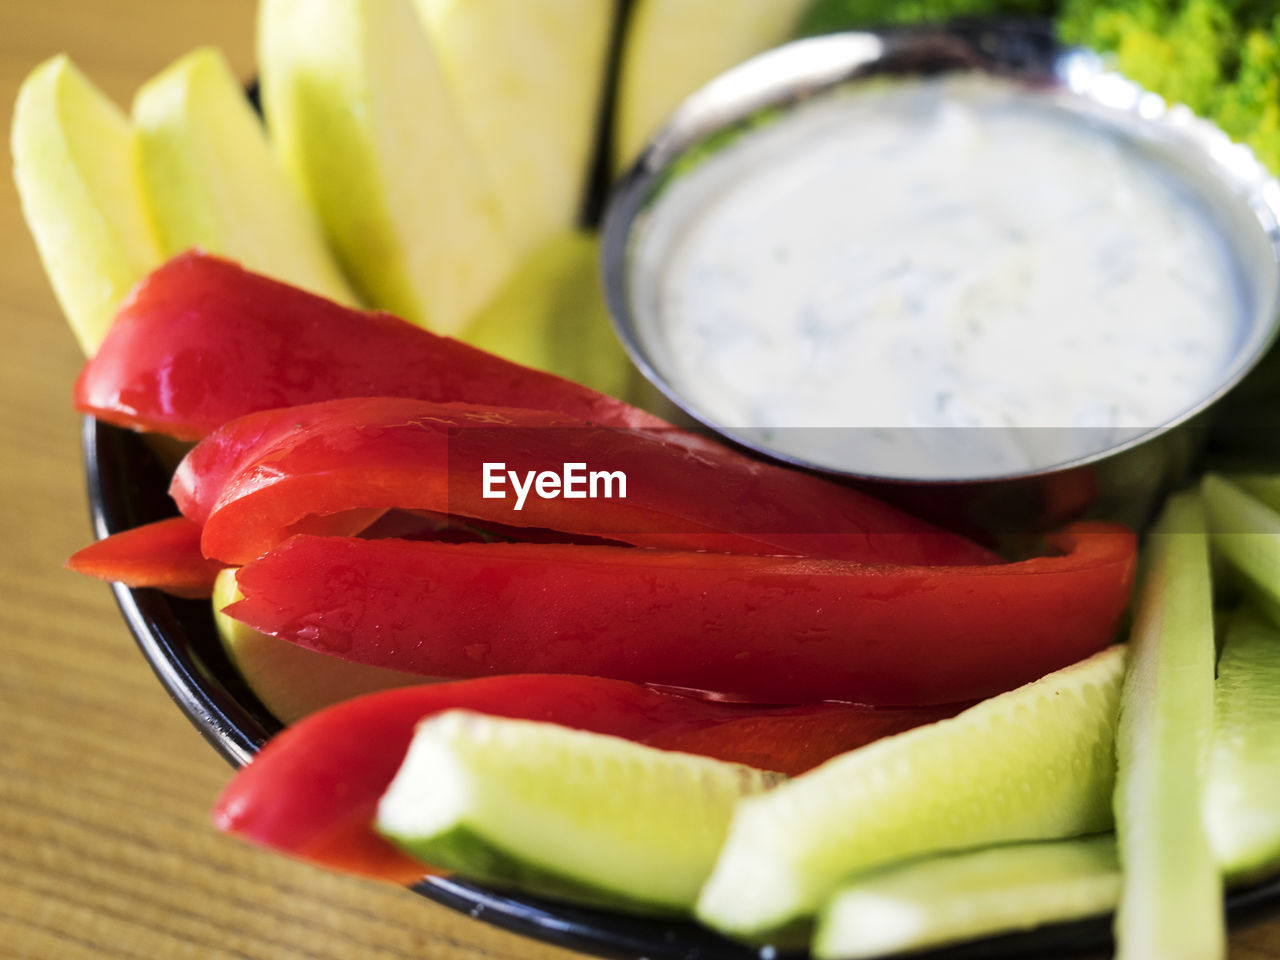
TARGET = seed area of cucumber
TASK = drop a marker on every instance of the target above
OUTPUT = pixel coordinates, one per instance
(957, 897)
(1240, 809)
(583, 816)
(1035, 763)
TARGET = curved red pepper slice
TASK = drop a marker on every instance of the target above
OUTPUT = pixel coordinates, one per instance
(165, 555)
(313, 789)
(202, 341)
(255, 480)
(762, 628)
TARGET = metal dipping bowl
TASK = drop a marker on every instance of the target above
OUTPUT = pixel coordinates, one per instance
(1125, 474)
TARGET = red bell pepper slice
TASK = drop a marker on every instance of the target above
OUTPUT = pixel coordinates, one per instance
(313, 789)
(165, 555)
(256, 479)
(763, 628)
(202, 341)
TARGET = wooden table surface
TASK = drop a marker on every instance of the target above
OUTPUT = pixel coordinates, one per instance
(105, 845)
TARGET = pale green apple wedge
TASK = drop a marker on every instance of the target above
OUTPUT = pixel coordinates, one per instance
(565, 813)
(292, 681)
(552, 316)
(1036, 763)
(77, 167)
(1162, 742)
(1241, 813)
(675, 46)
(529, 76)
(214, 183)
(362, 117)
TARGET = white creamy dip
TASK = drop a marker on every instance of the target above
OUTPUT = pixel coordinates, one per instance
(937, 254)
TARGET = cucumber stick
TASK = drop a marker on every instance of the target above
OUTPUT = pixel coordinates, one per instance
(1166, 716)
(561, 812)
(1035, 763)
(1261, 486)
(942, 899)
(1241, 812)
(1246, 533)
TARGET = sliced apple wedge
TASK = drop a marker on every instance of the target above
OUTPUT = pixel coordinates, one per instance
(528, 76)
(214, 183)
(292, 681)
(675, 46)
(552, 316)
(76, 164)
(359, 108)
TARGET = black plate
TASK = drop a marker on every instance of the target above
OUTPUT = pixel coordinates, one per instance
(127, 487)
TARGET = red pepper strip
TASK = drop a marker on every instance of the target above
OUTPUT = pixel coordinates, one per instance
(165, 555)
(313, 789)
(762, 628)
(202, 341)
(442, 528)
(255, 479)
(796, 739)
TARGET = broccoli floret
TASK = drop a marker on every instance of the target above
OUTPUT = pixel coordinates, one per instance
(1185, 53)
(830, 16)
(1219, 57)
(1249, 109)
(1252, 14)
(1103, 24)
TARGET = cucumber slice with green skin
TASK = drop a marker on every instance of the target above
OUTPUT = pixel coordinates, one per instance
(1036, 763)
(1240, 806)
(1261, 599)
(1166, 717)
(1245, 532)
(1261, 486)
(965, 895)
(560, 812)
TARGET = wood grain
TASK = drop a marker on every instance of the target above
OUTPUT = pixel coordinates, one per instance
(105, 847)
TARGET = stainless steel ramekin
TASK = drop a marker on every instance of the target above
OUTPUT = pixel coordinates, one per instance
(1125, 479)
